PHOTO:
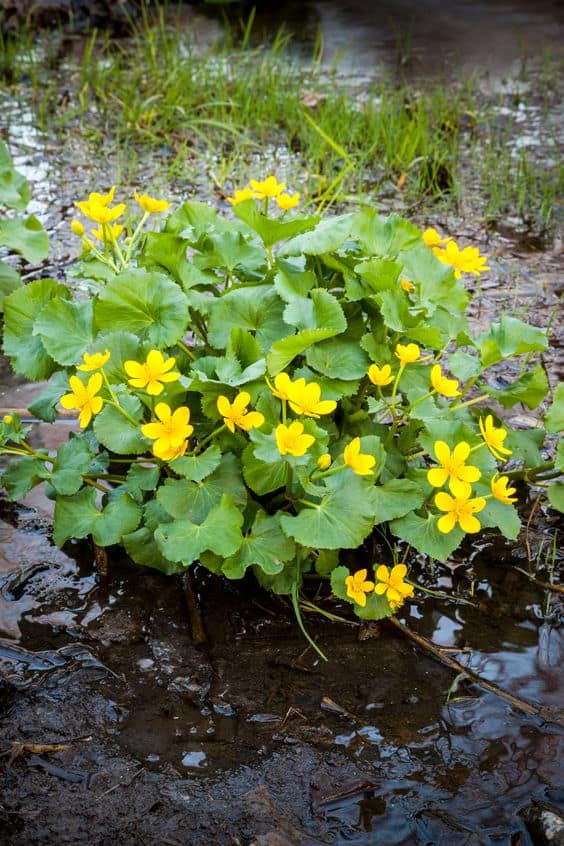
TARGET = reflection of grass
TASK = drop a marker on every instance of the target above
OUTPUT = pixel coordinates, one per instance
(218, 109)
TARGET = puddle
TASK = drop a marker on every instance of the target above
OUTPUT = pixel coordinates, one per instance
(381, 739)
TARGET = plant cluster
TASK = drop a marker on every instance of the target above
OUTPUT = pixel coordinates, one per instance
(263, 391)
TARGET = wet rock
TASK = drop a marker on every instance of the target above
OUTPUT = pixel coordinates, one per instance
(546, 828)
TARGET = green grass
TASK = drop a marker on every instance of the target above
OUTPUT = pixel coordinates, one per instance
(218, 109)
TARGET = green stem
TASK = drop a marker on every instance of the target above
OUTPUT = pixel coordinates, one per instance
(307, 502)
(135, 236)
(108, 230)
(469, 384)
(469, 402)
(298, 613)
(94, 484)
(310, 606)
(208, 438)
(322, 474)
(186, 349)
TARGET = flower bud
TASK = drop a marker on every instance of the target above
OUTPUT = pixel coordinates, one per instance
(77, 228)
(7, 419)
(324, 461)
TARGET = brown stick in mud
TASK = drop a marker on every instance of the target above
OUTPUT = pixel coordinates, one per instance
(530, 708)
(196, 623)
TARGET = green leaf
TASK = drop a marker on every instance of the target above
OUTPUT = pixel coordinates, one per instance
(384, 236)
(265, 546)
(530, 389)
(77, 517)
(271, 231)
(396, 498)
(219, 532)
(328, 235)
(163, 250)
(9, 281)
(65, 329)
(422, 533)
(554, 420)
(463, 366)
(260, 476)
(21, 308)
(342, 520)
(182, 498)
(510, 337)
(116, 433)
(141, 478)
(14, 189)
(326, 561)
(26, 237)
(197, 467)
(291, 282)
(21, 475)
(145, 303)
(233, 252)
(320, 310)
(526, 446)
(559, 461)
(141, 546)
(286, 350)
(338, 358)
(555, 494)
(376, 274)
(72, 461)
(45, 405)
(257, 309)
(499, 515)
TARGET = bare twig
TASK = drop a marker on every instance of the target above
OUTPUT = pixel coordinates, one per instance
(196, 623)
(530, 708)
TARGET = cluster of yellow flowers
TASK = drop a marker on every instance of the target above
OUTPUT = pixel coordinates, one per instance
(389, 582)
(98, 209)
(266, 189)
(409, 354)
(467, 260)
(461, 507)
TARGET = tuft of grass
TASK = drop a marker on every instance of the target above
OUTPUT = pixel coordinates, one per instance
(219, 108)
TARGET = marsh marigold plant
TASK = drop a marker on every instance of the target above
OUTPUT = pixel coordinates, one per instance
(262, 390)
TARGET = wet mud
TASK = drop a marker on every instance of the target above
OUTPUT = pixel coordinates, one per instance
(116, 728)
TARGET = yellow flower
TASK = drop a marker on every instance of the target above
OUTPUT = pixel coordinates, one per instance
(8, 420)
(283, 386)
(467, 260)
(240, 195)
(459, 510)
(407, 354)
(494, 438)
(103, 199)
(83, 398)
(170, 431)
(306, 399)
(500, 490)
(392, 584)
(288, 201)
(380, 375)
(169, 453)
(442, 385)
(358, 587)
(432, 238)
(102, 233)
(236, 414)
(99, 213)
(324, 461)
(94, 361)
(269, 187)
(453, 469)
(150, 204)
(291, 440)
(406, 285)
(152, 374)
(361, 464)
(77, 228)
